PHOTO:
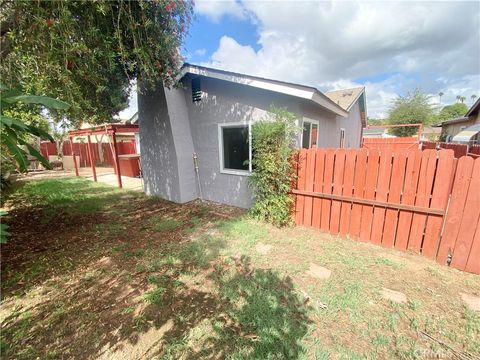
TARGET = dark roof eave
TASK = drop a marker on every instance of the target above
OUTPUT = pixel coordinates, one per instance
(475, 107)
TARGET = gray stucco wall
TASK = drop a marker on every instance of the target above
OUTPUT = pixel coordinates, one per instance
(158, 157)
(353, 127)
(169, 138)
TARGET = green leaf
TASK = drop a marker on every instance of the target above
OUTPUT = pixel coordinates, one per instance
(17, 153)
(37, 155)
(46, 101)
(14, 123)
(39, 132)
(6, 120)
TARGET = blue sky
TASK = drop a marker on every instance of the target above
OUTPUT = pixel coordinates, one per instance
(389, 47)
(205, 35)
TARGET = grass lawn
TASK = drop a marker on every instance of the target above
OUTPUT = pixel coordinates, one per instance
(95, 272)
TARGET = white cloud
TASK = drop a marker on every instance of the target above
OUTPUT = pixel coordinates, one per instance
(200, 52)
(416, 44)
(216, 9)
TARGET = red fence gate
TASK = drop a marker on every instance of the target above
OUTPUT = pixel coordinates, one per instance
(396, 199)
(397, 143)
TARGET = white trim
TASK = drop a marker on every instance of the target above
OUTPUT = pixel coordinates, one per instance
(311, 121)
(220, 148)
(300, 91)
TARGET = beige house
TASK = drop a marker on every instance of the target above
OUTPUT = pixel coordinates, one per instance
(452, 127)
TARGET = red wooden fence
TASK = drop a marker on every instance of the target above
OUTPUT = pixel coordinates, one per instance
(395, 199)
(459, 150)
(81, 149)
(397, 143)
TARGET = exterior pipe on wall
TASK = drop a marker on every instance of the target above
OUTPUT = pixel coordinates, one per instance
(195, 164)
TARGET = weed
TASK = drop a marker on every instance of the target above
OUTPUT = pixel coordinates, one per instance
(128, 310)
(134, 253)
(166, 224)
(381, 260)
(413, 304)
(153, 296)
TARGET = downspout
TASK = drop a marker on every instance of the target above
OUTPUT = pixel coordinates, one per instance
(195, 164)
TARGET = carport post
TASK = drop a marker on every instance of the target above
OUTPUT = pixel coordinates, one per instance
(92, 160)
(115, 160)
(74, 158)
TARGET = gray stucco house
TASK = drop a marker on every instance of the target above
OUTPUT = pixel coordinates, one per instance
(210, 118)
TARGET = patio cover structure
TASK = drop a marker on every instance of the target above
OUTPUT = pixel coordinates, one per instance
(111, 130)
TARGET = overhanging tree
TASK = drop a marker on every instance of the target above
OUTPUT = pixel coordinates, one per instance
(88, 52)
(413, 108)
(452, 111)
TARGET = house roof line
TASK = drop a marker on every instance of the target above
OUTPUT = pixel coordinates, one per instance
(475, 107)
(451, 121)
(296, 90)
(360, 89)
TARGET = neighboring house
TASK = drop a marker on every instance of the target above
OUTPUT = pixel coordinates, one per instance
(431, 133)
(452, 127)
(210, 118)
(376, 133)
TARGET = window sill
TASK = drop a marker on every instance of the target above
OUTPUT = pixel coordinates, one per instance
(236, 172)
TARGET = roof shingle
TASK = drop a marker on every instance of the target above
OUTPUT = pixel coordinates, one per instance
(345, 97)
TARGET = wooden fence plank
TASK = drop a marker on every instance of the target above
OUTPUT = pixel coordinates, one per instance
(350, 159)
(414, 159)
(439, 201)
(327, 188)
(383, 184)
(396, 186)
(318, 186)
(424, 190)
(337, 190)
(369, 193)
(309, 178)
(455, 208)
(469, 221)
(473, 263)
(302, 165)
(359, 184)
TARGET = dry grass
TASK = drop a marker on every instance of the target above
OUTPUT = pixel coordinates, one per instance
(94, 272)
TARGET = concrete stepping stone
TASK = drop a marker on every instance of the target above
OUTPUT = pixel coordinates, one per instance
(471, 301)
(263, 249)
(318, 272)
(392, 295)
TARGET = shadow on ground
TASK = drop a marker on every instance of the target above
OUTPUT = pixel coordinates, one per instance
(147, 281)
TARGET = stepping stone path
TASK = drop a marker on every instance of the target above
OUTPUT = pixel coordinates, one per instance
(472, 302)
(395, 296)
(318, 272)
(263, 249)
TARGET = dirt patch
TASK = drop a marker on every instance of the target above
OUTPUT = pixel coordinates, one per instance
(392, 295)
(263, 249)
(471, 301)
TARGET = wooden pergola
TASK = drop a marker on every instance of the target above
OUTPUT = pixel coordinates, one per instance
(110, 130)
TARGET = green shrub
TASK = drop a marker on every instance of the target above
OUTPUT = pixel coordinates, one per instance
(273, 168)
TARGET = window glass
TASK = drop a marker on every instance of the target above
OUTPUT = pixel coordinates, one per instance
(306, 135)
(235, 147)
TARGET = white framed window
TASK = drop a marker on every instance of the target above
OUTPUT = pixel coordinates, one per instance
(235, 148)
(309, 136)
(342, 138)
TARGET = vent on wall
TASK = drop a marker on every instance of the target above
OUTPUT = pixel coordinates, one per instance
(196, 90)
